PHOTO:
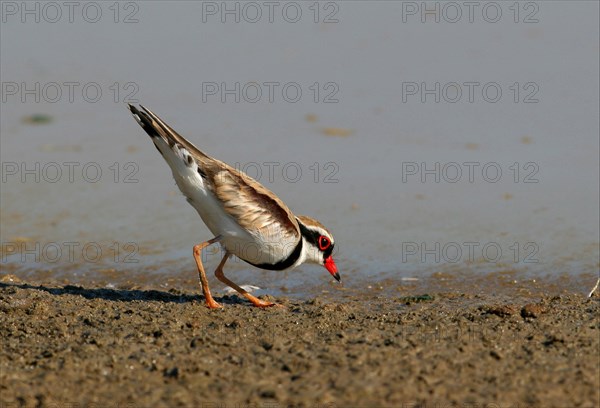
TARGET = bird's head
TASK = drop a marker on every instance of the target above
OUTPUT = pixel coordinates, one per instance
(318, 244)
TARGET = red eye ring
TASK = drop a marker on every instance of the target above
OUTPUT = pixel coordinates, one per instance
(324, 242)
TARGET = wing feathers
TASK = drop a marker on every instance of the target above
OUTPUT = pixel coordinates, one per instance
(254, 207)
(248, 202)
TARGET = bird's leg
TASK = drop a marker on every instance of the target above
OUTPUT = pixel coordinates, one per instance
(221, 276)
(210, 302)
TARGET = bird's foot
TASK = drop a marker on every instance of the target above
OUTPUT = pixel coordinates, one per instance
(263, 303)
(212, 304)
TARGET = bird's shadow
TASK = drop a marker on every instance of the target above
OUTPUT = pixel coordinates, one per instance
(121, 295)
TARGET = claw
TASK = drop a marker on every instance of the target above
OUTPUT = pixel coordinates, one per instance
(263, 304)
(211, 304)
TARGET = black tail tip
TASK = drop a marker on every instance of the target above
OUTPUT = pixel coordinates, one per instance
(143, 120)
(132, 108)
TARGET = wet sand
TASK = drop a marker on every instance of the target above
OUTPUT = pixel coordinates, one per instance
(71, 345)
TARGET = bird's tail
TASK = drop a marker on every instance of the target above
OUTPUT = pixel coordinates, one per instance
(156, 127)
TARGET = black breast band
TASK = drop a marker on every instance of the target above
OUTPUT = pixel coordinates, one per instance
(283, 264)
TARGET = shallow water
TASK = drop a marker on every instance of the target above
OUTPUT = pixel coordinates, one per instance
(410, 188)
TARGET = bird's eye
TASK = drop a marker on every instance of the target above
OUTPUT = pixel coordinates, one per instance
(324, 242)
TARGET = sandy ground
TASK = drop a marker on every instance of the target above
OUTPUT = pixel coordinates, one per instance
(74, 346)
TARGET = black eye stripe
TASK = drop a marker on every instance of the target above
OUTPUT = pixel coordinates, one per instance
(314, 238)
(328, 252)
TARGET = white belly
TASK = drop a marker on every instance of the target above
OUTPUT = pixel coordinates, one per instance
(251, 246)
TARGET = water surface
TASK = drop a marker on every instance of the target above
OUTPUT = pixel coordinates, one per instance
(384, 166)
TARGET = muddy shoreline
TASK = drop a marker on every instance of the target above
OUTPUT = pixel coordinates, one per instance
(80, 345)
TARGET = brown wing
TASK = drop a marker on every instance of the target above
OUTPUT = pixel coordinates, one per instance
(254, 207)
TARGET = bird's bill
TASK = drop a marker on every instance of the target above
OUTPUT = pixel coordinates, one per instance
(332, 267)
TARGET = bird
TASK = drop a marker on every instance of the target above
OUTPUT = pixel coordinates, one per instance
(247, 219)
